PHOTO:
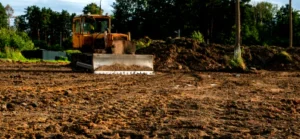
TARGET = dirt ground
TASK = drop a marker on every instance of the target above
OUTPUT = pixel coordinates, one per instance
(47, 100)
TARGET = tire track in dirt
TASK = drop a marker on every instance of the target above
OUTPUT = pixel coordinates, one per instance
(165, 105)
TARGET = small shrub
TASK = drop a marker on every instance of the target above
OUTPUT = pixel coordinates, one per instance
(265, 44)
(238, 63)
(267, 47)
(12, 54)
(4, 38)
(61, 58)
(143, 42)
(70, 52)
(197, 35)
(2, 55)
(14, 39)
(284, 57)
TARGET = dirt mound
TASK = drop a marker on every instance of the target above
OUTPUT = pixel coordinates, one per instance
(186, 54)
(272, 57)
(122, 67)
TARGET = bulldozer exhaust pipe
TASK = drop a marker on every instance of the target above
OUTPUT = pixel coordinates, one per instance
(129, 36)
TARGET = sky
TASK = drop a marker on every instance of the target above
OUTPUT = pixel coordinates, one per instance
(76, 6)
(72, 6)
(295, 3)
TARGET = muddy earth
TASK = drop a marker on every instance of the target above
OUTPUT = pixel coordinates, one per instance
(186, 54)
(48, 100)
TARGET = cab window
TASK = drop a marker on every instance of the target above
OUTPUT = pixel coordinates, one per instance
(95, 25)
(77, 26)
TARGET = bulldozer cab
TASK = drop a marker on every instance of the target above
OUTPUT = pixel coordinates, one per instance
(95, 25)
(88, 27)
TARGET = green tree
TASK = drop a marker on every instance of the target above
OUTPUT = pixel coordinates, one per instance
(45, 23)
(3, 17)
(258, 27)
(264, 12)
(9, 12)
(65, 24)
(123, 12)
(14, 39)
(281, 29)
(92, 8)
(20, 23)
(159, 19)
(33, 15)
(45, 26)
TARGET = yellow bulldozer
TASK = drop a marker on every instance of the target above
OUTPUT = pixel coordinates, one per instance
(91, 34)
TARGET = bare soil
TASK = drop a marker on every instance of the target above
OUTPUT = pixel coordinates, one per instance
(186, 54)
(122, 67)
(47, 100)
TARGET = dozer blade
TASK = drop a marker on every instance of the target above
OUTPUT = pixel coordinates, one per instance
(126, 64)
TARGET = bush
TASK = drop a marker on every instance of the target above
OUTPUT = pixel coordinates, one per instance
(15, 40)
(70, 52)
(61, 58)
(238, 63)
(143, 42)
(283, 57)
(197, 35)
(12, 54)
(4, 38)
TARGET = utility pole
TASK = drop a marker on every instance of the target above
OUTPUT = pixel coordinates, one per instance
(291, 24)
(100, 11)
(60, 39)
(237, 49)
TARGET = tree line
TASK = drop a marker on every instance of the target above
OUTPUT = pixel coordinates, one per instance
(262, 23)
(48, 29)
(11, 40)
